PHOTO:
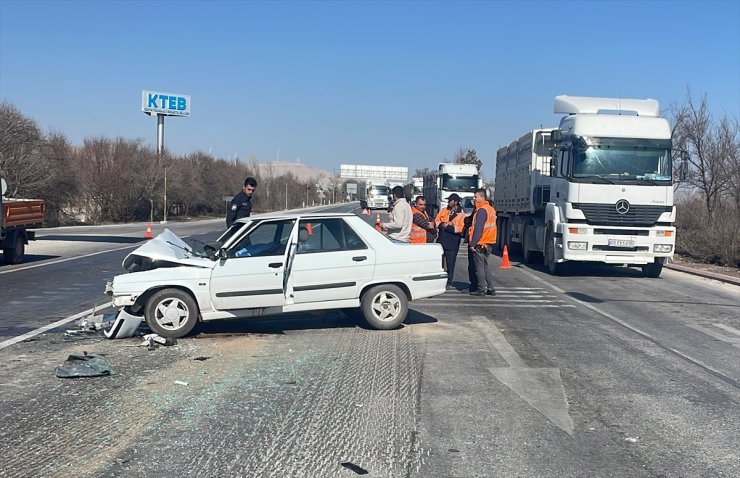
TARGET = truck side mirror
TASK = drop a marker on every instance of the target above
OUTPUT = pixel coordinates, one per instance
(553, 167)
(556, 136)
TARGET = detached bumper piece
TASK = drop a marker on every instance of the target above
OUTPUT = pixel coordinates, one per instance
(124, 326)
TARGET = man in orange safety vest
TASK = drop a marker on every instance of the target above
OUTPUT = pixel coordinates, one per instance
(422, 226)
(481, 238)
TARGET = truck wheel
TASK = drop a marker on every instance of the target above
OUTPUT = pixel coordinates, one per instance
(384, 306)
(527, 255)
(14, 255)
(653, 269)
(555, 268)
(171, 313)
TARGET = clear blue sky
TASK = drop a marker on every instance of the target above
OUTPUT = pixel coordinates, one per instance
(390, 83)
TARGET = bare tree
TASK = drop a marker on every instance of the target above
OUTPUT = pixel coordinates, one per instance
(24, 154)
(468, 156)
(694, 133)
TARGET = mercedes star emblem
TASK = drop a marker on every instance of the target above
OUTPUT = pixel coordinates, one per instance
(622, 206)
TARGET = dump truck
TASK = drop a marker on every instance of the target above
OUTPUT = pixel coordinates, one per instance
(18, 217)
(599, 187)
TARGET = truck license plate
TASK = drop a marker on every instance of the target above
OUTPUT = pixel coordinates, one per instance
(621, 243)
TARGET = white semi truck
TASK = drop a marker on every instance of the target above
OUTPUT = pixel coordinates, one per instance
(374, 195)
(449, 178)
(597, 188)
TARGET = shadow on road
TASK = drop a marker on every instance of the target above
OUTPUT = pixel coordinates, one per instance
(298, 321)
(29, 259)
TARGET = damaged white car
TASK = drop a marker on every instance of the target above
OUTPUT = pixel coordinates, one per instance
(272, 265)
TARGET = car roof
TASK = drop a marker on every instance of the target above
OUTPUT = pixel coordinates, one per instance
(296, 215)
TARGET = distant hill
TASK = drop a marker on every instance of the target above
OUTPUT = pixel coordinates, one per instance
(302, 171)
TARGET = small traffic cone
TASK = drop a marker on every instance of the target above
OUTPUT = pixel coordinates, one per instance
(505, 262)
(378, 226)
(148, 234)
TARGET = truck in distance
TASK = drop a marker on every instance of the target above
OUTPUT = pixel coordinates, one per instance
(374, 196)
(17, 216)
(597, 188)
(449, 178)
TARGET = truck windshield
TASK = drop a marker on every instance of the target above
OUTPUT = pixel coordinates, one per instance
(618, 160)
(379, 191)
(453, 182)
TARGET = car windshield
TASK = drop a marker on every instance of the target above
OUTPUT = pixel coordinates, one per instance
(623, 160)
(452, 182)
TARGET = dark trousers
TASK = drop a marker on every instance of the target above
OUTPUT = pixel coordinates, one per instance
(450, 260)
(481, 277)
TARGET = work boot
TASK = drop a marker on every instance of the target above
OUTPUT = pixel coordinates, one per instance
(479, 293)
(491, 292)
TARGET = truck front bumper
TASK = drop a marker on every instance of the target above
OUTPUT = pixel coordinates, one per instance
(615, 245)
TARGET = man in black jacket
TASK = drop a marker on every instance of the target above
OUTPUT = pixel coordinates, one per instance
(450, 222)
(241, 204)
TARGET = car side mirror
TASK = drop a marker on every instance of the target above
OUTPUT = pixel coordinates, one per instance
(222, 254)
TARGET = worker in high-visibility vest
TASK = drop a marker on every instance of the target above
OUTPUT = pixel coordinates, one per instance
(450, 222)
(481, 238)
(422, 226)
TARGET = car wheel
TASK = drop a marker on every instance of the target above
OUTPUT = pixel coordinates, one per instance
(653, 269)
(384, 306)
(14, 255)
(171, 313)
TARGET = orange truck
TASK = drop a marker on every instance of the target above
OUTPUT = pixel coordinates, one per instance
(18, 216)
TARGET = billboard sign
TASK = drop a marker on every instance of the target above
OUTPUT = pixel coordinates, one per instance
(362, 171)
(169, 104)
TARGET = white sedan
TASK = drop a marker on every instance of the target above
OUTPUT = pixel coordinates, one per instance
(271, 265)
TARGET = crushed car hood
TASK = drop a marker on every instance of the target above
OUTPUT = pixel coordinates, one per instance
(165, 250)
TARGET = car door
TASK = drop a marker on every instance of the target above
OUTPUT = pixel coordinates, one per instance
(331, 261)
(252, 274)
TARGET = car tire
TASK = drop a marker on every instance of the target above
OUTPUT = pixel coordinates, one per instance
(653, 269)
(14, 255)
(384, 306)
(171, 313)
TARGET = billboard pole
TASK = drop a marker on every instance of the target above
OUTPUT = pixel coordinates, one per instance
(155, 103)
(160, 151)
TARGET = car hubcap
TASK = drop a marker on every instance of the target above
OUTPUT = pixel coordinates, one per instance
(172, 314)
(386, 306)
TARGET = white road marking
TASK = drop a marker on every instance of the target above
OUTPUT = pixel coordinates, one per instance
(53, 325)
(732, 330)
(730, 340)
(541, 388)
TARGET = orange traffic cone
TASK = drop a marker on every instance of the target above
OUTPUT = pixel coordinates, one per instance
(377, 223)
(505, 262)
(148, 234)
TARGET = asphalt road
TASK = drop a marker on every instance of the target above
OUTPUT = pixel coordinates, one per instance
(598, 373)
